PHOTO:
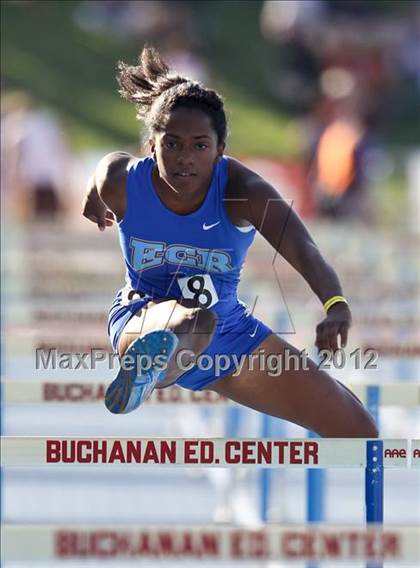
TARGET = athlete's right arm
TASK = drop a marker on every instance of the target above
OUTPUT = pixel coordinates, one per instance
(105, 197)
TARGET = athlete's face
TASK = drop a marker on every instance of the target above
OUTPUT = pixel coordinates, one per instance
(186, 151)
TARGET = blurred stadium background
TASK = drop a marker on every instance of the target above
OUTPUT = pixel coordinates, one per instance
(323, 101)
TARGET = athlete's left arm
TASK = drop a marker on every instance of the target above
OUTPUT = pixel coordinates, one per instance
(260, 204)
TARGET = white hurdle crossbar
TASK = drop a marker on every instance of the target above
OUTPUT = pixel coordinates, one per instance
(210, 452)
(212, 543)
(17, 391)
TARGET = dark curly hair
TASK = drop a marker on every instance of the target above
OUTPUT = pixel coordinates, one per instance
(156, 91)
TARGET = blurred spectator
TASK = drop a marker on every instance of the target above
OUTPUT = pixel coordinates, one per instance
(154, 21)
(182, 56)
(377, 44)
(336, 61)
(290, 26)
(344, 164)
(281, 21)
(408, 53)
(34, 159)
(124, 18)
(145, 20)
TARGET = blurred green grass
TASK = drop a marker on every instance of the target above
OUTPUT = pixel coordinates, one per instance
(46, 54)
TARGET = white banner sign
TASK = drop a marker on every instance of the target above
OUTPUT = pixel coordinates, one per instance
(125, 543)
(270, 452)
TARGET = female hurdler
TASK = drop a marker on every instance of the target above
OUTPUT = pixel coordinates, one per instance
(186, 216)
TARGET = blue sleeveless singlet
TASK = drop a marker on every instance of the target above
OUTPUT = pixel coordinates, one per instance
(196, 256)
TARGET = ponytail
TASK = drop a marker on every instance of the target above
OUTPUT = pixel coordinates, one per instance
(151, 81)
(144, 83)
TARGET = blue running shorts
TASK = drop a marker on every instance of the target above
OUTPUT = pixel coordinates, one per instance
(235, 336)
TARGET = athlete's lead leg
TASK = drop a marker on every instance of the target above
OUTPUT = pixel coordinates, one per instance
(310, 398)
(159, 331)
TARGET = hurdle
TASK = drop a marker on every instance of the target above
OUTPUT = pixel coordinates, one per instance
(132, 543)
(373, 543)
(63, 391)
(84, 392)
(374, 396)
(376, 458)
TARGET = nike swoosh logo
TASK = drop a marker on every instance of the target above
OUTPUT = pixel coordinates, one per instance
(254, 332)
(207, 227)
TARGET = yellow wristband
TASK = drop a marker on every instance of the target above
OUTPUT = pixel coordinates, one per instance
(334, 300)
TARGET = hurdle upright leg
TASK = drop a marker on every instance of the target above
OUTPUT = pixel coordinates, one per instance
(374, 475)
(265, 473)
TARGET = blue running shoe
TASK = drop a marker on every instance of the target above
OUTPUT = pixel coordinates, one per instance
(129, 389)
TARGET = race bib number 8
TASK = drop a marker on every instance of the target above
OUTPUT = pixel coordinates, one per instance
(199, 287)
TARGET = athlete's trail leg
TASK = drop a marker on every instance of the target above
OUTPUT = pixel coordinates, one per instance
(310, 398)
(193, 326)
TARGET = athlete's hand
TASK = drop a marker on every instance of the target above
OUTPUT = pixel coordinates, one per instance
(95, 209)
(337, 323)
